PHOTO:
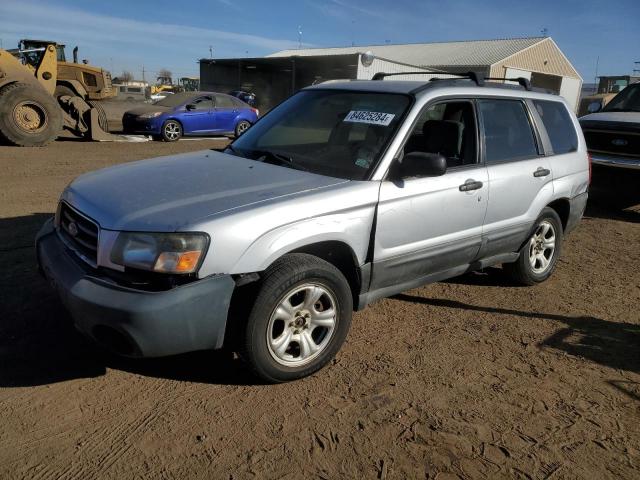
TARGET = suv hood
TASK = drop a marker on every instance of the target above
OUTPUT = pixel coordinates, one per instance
(630, 117)
(170, 193)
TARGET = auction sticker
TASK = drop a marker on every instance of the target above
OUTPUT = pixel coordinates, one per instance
(372, 118)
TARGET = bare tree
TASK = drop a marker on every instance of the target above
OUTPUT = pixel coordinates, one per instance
(125, 77)
(165, 75)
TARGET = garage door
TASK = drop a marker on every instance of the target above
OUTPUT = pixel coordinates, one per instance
(570, 90)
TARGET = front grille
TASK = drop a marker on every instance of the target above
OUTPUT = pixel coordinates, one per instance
(615, 143)
(80, 233)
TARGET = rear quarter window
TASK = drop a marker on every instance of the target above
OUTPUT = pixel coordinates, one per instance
(557, 122)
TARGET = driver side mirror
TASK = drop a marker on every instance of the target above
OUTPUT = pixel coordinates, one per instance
(190, 107)
(423, 164)
(594, 107)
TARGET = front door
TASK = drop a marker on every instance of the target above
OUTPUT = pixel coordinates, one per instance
(431, 225)
(199, 117)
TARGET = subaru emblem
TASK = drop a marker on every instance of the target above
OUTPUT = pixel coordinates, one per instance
(619, 142)
(73, 229)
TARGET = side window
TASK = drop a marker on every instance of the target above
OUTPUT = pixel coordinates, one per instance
(507, 131)
(202, 103)
(222, 101)
(558, 125)
(449, 129)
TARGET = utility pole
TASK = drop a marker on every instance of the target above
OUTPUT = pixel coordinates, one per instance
(595, 88)
(143, 80)
(210, 51)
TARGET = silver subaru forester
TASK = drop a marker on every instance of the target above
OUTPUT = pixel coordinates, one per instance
(345, 193)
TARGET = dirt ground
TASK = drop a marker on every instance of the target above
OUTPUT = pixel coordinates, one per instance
(468, 378)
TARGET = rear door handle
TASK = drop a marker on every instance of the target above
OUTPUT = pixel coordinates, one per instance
(470, 185)
(541, 172)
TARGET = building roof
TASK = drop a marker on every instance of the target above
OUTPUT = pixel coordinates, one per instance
(461, 53)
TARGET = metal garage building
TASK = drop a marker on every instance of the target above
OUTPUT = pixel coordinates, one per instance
(276, 76)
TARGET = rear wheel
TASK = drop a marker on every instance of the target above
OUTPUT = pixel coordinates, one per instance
(62, 91)
(242, 127)
(171, 131)
(29, 116)
(300, 318)
(539, 255)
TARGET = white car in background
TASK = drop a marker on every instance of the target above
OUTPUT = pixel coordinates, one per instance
(159, 96)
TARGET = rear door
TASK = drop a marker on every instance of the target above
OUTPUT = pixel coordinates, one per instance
(520, 176)
(201, 118)
(430, 225)
(226, 112)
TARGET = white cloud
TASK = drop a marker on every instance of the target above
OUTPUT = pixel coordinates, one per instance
(19, 19)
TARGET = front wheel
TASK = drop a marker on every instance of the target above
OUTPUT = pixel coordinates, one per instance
(171, 131)
(539, 255)
(242, 127)
(300, 318)
(29, 116)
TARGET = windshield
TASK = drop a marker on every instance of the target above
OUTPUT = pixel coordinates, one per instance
(175, 99)
(330, 132)
(628, 100)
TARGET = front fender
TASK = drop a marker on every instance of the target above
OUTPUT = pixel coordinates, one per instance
(352, 228)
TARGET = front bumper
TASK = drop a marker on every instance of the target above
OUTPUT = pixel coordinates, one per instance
(133, 125)
(615, 161)
(134, 322)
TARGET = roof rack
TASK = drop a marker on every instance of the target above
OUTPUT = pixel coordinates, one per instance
(477, 77)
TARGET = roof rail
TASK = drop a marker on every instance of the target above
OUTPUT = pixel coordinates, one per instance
(477, 77)
(524, 82)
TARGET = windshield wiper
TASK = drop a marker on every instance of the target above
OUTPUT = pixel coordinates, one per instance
(283, 159)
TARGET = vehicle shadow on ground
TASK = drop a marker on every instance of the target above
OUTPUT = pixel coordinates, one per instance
(607, 343)
(487, 277)
(39, 345)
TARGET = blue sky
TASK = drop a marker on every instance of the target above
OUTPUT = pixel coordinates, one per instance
(120, 34)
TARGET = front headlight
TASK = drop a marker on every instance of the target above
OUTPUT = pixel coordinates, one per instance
(150, 115)
(160, 252)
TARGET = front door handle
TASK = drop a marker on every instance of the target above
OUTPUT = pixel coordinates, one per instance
(541, 172)
(470, 185)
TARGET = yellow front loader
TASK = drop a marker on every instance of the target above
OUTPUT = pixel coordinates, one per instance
(41, 94)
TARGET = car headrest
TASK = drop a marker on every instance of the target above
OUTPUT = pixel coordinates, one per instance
(443, 136)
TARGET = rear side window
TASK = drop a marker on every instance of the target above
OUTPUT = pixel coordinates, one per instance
(222, 101)
(507, 131)
(559, 126)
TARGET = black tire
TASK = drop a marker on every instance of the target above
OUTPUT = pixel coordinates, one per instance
(63, 90)
(284, 276)
(242, 127)
(102, 115)
(41, 121)
(523, 270)
(169, 136)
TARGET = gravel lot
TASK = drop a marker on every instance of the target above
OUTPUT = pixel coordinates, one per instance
(469, 378)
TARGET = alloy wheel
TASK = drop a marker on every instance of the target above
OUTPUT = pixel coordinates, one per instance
(302, 324)
(542, 247)
(172, 130)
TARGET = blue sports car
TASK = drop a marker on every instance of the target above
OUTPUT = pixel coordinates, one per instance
(191, 113)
